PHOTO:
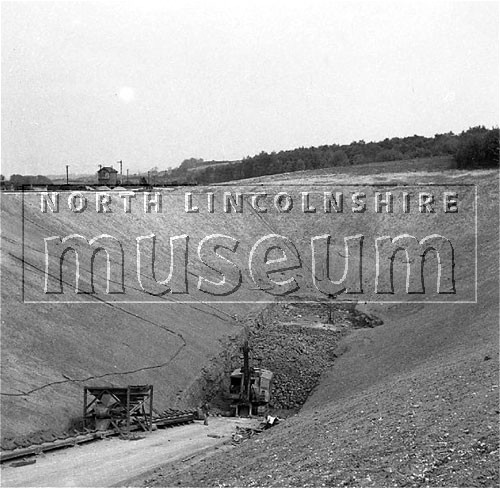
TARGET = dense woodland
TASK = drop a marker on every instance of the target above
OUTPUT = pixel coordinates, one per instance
(474, 148)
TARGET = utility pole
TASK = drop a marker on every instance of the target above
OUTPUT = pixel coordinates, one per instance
(67, 174)
(121, 171)
(330, 305)
(246, 371)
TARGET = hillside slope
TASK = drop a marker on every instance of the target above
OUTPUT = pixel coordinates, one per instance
(51, 348)
(413, 402)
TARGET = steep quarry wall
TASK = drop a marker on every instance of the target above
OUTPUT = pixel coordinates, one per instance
(54, 343)
(52, 348)
(298, 342)
(411, 402)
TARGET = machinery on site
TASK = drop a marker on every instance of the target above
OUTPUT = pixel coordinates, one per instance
(250, 388)
(119, 407)
(107, 411)
(122, 410)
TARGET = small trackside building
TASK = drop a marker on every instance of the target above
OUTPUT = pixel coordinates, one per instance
(107, 175)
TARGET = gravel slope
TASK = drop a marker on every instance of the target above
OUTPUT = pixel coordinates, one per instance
(414, 402)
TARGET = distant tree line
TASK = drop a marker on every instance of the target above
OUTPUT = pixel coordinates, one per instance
(473, 148)
(17, 181)
(478, 146)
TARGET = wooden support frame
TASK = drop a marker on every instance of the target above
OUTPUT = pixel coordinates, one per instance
(123, 406)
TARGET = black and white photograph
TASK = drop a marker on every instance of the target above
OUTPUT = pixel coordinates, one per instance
(250, 244)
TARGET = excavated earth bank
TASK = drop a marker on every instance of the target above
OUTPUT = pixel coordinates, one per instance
(413, 402)
(297, 341)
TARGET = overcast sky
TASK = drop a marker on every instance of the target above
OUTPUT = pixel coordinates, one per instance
(152, 84)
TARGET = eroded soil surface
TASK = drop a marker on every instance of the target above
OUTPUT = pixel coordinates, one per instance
(416, 431)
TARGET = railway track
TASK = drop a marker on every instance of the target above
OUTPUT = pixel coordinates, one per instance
(15, 448)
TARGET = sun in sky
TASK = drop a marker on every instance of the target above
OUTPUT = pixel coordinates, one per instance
(126, 94)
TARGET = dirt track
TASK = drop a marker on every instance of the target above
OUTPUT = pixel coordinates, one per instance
(115, 461)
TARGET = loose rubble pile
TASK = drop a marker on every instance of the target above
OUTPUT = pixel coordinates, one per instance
(297, 342)
(244, 433)
(298, 346)
(297, 356)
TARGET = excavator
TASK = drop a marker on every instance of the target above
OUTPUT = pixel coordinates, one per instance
(250, 388)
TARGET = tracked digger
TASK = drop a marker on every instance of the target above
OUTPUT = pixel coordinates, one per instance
(250, 387)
